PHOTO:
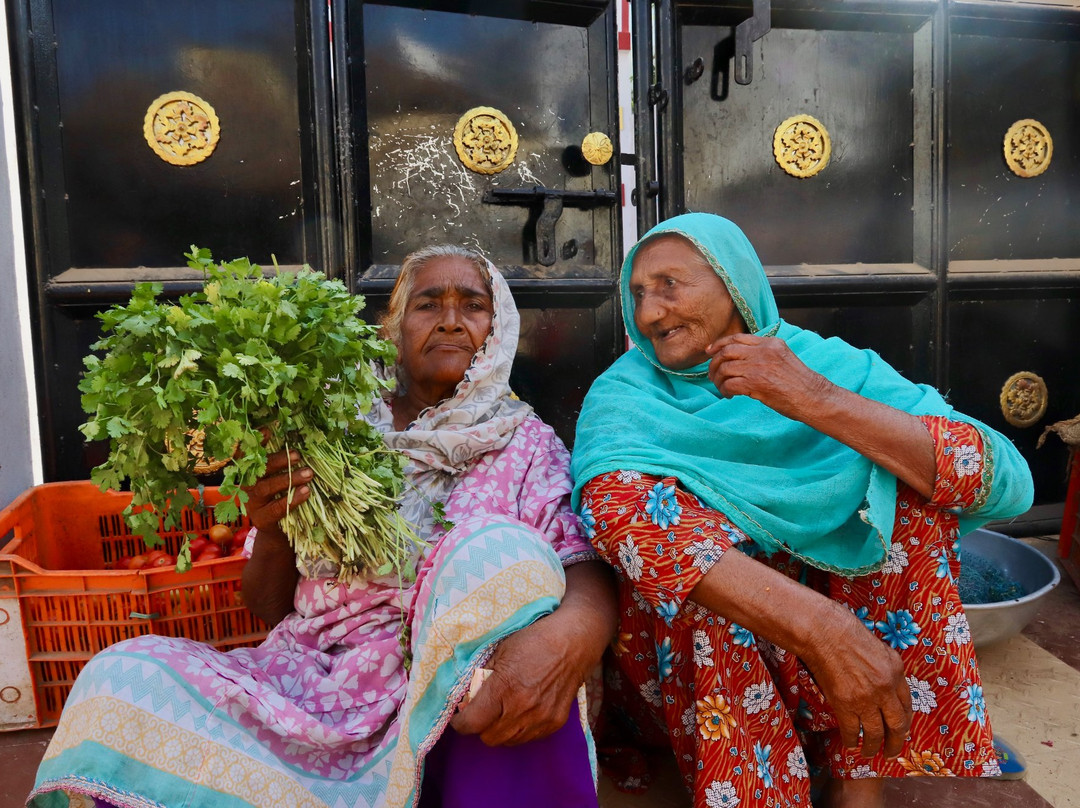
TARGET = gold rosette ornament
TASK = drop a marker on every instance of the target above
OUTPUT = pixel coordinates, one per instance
(181, 128)
(485, 140)
(802, 146)
(1028, 148)
(202, 464)
(1023, 398)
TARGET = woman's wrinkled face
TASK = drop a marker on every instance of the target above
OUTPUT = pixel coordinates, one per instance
(447, 318)
(680, 304)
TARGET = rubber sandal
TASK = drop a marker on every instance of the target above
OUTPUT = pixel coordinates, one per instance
(1012, 762)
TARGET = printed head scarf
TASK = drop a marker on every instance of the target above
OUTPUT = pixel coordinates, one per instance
(446, 440)
(784, 484)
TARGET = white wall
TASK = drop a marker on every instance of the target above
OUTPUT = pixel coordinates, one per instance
(20, 445)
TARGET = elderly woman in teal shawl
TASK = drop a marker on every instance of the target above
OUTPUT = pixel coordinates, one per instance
(835, 640)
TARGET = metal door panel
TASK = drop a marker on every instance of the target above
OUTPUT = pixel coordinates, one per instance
(837, 216)
(848, 250)
(295, 84)
(412, 73)
(1013, 248)
(993, 337)
(423, 70)
(896, 326)
(68, 457)
(993, 213)
(127, 207)
(558, 358)
(103, 209)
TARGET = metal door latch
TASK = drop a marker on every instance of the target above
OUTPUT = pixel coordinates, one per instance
(658, 97)
(652, 189)
(695, 71)
(747, 33)
(552, 201)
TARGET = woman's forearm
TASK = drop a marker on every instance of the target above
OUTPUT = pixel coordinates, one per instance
(270, 576)
(890, 438)
(537, 671)
(769, 604)
(861, 677)
(589, 609)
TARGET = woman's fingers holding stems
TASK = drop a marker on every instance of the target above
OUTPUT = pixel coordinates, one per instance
(282, 461)
(277, 509)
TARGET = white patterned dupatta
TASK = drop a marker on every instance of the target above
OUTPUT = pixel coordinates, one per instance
(446, 440)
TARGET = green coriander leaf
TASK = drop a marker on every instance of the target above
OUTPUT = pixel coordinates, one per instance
(183, 558)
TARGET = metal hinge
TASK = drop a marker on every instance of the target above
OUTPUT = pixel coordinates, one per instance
(747, 33)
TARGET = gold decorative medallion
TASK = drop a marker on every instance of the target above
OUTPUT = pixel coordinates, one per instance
(802, 146)
(1028, 148)
(485, 140)
(181, 128)
(597, 148)
(1023, 398)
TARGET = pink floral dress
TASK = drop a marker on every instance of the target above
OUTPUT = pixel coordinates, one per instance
(325, 712)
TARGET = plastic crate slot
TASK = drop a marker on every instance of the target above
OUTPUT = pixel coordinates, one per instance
(71, 611)
(113, 525)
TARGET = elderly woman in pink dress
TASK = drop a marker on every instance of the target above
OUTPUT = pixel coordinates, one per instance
(356, 698)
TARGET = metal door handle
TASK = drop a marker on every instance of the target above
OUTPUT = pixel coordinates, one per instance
(552, 201)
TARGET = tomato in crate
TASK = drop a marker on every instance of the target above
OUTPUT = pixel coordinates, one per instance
(71, 585)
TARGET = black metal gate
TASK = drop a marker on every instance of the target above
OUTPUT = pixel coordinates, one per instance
(428, 85)
(106, 207)
(939, 231)
(890, 160)
(322, 132)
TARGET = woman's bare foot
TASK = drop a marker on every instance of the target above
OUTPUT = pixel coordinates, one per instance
(869, 793)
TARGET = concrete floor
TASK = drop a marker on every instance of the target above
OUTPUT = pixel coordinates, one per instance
(1032, 688)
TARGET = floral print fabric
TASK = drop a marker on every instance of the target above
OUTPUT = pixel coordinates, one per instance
(745, 717)
(324, 712)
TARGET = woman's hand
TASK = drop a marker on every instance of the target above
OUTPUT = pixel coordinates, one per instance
(863, 681)
(765, 369)
(536, 672)
(270, 499)
(861, 677)
(535, 676)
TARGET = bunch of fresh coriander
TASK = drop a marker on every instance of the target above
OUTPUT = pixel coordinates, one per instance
(282, 352)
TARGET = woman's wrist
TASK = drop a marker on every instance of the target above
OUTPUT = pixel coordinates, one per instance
(827, 625)
(268, 541)
(566, 639)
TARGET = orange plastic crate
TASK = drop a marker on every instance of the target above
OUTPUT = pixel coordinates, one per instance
(56, 541)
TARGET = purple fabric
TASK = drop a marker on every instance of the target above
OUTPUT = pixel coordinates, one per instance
(461, 771)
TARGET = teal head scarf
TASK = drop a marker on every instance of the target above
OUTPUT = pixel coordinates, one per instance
(784, 484)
